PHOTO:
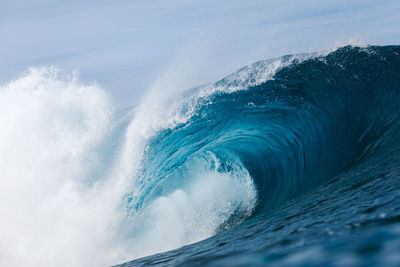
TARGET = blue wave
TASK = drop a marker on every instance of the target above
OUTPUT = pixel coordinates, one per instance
(316, 119)
(291, 133)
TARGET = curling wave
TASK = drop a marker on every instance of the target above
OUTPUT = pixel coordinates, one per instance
(102, 187)
(299, 129)
(280, 128)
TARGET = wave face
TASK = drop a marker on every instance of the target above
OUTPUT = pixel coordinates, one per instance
(289, 161)
(310, 146)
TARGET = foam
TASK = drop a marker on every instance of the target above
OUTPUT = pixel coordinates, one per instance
(51, 126)
(66, 170)
(190, 213)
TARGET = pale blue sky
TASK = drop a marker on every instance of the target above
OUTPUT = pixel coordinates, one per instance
(126, 46)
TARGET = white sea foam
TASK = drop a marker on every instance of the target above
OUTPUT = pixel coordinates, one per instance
(190, 213)
(62, 196)
(50, 126)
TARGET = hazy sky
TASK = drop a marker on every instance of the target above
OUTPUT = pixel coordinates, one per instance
(128, 46)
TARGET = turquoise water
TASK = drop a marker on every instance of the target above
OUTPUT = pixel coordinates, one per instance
(291, 162)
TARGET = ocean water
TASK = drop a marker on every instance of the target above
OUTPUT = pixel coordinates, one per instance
(292, 161)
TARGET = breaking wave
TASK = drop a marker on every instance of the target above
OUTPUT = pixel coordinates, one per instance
(83, 184)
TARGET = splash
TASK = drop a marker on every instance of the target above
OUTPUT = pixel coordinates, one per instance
(85, 185)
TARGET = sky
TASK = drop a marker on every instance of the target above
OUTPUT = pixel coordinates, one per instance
(128, 47)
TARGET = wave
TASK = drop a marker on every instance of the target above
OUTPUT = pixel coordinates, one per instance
(84, 184)
(278, 127)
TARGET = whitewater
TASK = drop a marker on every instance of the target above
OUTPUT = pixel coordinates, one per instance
(287, 161)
